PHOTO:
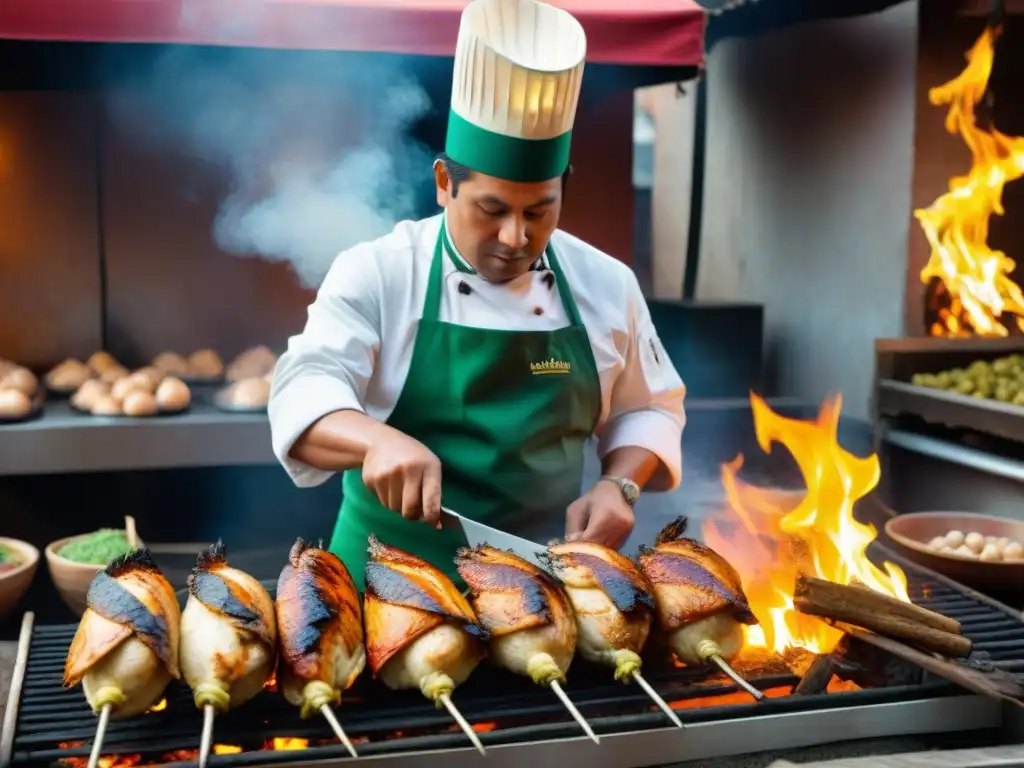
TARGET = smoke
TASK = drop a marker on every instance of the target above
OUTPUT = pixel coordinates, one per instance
(318, 150)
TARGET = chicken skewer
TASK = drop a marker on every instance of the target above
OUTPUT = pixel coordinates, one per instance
(320, 628)
(700, 601)
(228, 639)
(420, 631)
(528, 616)
(125, 651)
(614, 607)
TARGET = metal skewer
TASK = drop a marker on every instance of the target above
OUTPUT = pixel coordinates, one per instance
(206, 740)
(557, 688)
(332, 721)
(129, 532)
(467, 729)
(101, 732)
(733, 675)
(662, 704)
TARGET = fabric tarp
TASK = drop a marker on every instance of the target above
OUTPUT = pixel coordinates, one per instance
(655, 33)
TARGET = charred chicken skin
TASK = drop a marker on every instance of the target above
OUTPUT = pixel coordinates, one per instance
(125, 650)
(527, 614)
(613, 602)
(700, 600)
(228, 633)
(420, 631)
(320, 628)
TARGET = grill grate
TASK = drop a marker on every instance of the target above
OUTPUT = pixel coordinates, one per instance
(42, 715)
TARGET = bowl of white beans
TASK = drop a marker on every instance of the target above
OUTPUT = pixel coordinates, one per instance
(977, 550)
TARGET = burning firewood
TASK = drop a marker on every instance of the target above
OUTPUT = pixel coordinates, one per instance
(125, 651)
(700, 601)
(614, 607)
(320, 628)
(228, 639)
(529, 617)
(880, 613)
(420, 631)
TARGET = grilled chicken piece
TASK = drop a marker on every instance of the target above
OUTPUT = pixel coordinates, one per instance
(420, 631)
(320, 624)
(528, 615)
(125, 651)
(612, 600)
(228, 633)
(699, 597)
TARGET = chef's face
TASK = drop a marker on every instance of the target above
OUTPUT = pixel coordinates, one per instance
(500, 227)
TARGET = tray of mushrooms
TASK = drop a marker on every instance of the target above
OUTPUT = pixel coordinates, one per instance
(21, 397)
(113, 390)
(249, 376)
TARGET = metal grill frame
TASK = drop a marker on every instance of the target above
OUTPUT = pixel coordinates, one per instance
(638, 737)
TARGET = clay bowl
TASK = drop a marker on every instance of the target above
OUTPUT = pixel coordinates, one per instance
(911, 534)
(71, 579)
(15, 583)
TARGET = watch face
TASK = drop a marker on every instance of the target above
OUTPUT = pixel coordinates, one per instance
(631, 491)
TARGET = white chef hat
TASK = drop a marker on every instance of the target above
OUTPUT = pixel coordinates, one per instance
(518, 71)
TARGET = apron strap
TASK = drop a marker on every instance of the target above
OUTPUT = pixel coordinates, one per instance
(435, 281)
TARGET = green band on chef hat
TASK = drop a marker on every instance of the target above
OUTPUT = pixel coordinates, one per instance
(506, 157)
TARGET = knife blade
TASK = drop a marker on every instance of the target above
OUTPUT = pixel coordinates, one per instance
(478, 533)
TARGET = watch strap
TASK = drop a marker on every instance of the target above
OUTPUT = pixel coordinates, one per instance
(630, 490)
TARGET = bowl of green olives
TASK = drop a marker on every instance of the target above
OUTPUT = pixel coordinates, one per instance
(1001, 379)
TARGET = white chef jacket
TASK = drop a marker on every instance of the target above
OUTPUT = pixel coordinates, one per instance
(356, 348)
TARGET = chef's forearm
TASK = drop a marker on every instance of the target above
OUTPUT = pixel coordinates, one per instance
(338, 441)
(630, 461)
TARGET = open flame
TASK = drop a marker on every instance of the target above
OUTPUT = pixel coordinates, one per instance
(772, 536)
(976, 279)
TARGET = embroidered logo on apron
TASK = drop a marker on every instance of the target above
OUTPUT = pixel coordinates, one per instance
(550, 366)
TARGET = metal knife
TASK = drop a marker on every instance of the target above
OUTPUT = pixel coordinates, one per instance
(478, 533)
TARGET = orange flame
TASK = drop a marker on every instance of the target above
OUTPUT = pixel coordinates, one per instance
(772, 536)
(975, 277)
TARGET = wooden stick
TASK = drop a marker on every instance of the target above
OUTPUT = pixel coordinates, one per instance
(817, 677)
(733, 675)
(129, 532)
(861, 608)
(996, 684)
(101, 732)
(662, 704)
(557, 688)
(821, 589)
(467, 729)
(332, 721)
(206, 740)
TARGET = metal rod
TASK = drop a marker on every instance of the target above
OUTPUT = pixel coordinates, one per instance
(14, 696)
(206, 740)
(332, 721)
(662, 704)
(557, 688)
(101, 732)
(733, 675)
(467, 729)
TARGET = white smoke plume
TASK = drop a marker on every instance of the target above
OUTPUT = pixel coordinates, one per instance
(319, 154)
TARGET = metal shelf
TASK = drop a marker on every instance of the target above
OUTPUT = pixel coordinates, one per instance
(949, 409)
(62, 441)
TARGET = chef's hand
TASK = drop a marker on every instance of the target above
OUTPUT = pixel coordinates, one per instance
(405, 475)
(601, 516)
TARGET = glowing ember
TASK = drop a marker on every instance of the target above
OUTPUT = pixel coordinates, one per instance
(975, 277)
(772, 536)
(160, 706)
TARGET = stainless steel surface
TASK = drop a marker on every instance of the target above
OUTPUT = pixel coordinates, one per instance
(706, 741)
(7, 732)
(944, 450)
(1012, 755)
(478, 533)
(63, 441)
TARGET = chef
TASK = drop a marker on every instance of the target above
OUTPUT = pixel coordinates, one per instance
(466, 359)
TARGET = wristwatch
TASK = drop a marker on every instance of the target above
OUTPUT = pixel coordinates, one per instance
(630, 490)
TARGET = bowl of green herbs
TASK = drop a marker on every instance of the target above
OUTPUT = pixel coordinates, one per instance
(18, 561)
(75, 561)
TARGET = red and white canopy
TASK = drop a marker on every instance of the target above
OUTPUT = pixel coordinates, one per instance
(632, 32)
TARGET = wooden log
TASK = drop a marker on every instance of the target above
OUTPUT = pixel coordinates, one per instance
(872, 610)
(996, 684)
(820, 673)
(876, 601)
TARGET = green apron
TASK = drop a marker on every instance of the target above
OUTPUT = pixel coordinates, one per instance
(506, 412)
